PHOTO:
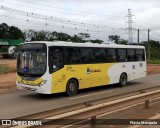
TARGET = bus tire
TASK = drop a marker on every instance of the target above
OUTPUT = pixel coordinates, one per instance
(123, 80)
(71, 88)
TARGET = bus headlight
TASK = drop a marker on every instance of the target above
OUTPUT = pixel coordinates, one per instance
(42, 83)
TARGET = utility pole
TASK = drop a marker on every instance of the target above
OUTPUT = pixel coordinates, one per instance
(138, 37)
(149, 50)
(130, 21)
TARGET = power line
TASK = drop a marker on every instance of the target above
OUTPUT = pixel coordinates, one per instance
(69, 9)
(86, 14)
(149, 26)
(55, 19)
(75, 25)
(49, 25)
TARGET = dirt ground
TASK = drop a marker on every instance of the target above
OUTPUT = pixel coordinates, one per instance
(7, 81)
(10, 63)
(153, 69)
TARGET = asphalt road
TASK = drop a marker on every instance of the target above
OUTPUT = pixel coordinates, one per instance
(21, 103)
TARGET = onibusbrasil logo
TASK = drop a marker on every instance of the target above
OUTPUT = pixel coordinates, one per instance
(21, 122)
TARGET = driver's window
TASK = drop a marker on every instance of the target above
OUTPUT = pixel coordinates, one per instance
(56, 59)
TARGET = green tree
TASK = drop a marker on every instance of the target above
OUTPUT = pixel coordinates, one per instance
(117, 39)
(154, 48)
(76, 38)
(29, 35)
(4, 31)
(114, 38)
(122, 41)
(15, 33)
(63, 37)
(53, 36)
(97, 41)
(7, 32)
(32, 35)
(40, 35)
(84, 36)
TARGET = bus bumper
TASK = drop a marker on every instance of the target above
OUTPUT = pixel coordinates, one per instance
(38, 89)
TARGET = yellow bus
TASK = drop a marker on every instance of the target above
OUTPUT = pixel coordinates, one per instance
(54, 67)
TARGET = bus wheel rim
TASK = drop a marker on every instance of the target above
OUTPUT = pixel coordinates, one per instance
(71, 87)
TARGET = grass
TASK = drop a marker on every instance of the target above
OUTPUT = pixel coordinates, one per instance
(156, 61)
(5, 69)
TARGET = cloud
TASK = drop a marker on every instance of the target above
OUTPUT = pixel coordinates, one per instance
(102, 12)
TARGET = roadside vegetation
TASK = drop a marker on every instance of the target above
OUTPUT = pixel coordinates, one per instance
(4, 69)
(156, 61)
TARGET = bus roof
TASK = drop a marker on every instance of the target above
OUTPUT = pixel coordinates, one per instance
(64, 43)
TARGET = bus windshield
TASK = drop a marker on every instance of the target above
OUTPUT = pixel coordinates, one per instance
(32, 62)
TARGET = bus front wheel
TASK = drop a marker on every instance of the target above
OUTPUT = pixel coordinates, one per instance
(123, 80)
(72, 87)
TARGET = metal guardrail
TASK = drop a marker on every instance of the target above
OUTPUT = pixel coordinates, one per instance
(95, 110)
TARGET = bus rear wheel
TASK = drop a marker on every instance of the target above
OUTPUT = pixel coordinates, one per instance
(72, 87)
(123, 80)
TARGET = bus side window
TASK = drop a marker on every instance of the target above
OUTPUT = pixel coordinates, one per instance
(100, 55)
(131, 55)
(121, 55)
(140, 55)
(87, 56)
(55, 59)
(111, 55)
(72, 55)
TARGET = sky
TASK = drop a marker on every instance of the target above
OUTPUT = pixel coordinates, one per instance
(99, 18)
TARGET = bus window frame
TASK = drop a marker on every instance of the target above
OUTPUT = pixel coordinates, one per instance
(81, 55)
(65, 53)
(51, 69)
(105, 55)
(94, 57)
(143, 57)
(108, 54)
(134, 55)
(126, 58)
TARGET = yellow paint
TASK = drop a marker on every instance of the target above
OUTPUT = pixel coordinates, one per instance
(32, 83)
(98, 76)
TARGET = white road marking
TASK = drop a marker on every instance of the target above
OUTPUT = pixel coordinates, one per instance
(90, 94)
